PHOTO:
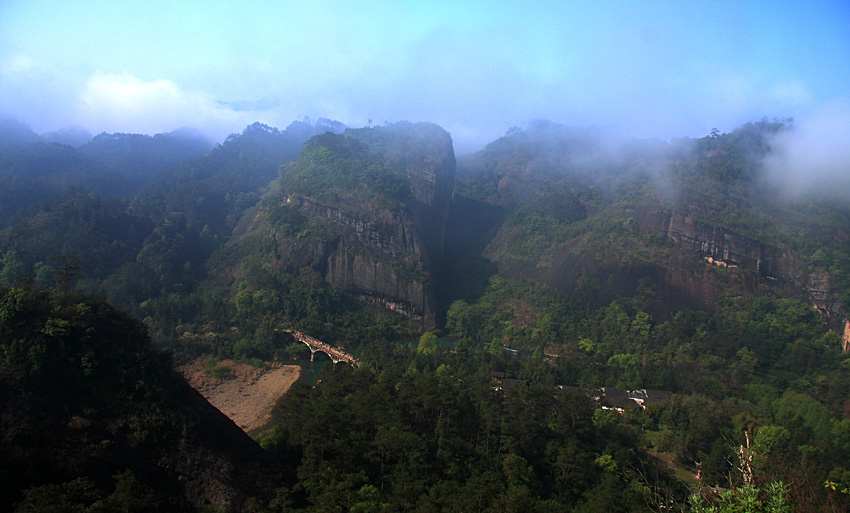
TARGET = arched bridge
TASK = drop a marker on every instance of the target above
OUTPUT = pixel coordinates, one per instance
(337, 355)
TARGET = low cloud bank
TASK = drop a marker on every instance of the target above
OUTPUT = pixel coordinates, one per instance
(813, 160)
(125, 103)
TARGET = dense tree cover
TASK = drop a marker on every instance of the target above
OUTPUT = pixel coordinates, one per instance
(242, 318)
(94, 418)
(213, 191)
(422, 428)
(425, 430)
(52, 337)
(196, 207)
(151, 255)
(81, 495)
(254, 289)
(577, 191)
(765, 367)
(146, 254)
(99, 229)
(109, 164)
(135, 158)
(340, 170)
(727, 172)
(37, 171)
(78, 357)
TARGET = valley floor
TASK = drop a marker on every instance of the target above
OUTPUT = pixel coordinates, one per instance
(245, 393)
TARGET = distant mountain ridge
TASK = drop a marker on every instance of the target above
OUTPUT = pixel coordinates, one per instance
(374, 211)
(565, 258)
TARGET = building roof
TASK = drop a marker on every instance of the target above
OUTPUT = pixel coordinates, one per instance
(615, 397)
(509, 382)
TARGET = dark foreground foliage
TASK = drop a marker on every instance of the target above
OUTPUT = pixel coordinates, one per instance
(95, 419)
(431, 433)
(429, 429)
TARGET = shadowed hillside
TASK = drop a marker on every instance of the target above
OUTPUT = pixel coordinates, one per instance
(91, 412)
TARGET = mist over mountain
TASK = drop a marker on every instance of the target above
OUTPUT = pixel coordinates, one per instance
(558, 175)
(16, 133)
(508, 257)
(812, 160)
(571, 267)
(13, 132)
(75, 136)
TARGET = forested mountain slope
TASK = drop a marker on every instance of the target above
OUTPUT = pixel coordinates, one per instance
(137, 251)
(689, 223)
(341, 246)
(93, 416)
(367, 211)
(35, 167)
(615, 263)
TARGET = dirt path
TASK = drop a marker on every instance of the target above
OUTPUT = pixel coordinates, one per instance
(246, 394)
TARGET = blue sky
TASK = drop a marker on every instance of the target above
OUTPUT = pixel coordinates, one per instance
(642, 68)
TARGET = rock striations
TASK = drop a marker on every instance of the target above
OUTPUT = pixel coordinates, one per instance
(383, 232)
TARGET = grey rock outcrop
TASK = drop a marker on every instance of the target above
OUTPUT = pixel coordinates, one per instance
(384, 256)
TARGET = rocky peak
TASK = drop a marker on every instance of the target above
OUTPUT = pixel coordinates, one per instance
(383, 196)
(426, 154)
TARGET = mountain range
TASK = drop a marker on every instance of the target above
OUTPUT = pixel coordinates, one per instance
(678, 265)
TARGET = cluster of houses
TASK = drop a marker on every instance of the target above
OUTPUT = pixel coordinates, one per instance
(618, 399)
(615, 399)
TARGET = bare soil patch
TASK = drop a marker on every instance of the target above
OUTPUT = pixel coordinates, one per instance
(245, 393)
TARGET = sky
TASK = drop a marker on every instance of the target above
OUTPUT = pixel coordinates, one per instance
(638, 68)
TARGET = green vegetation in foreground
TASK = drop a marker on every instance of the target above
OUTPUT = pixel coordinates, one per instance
(420, 427)
(764, 367)
(83, 395)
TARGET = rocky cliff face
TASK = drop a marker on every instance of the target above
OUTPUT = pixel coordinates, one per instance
(700, 241)
(754, 266)
(425, 152)
(432, 182)
(380, 261)
(695, 264)
(384, 256)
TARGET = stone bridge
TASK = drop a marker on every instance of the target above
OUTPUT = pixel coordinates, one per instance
(336, 354)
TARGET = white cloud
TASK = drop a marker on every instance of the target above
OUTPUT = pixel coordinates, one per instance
(814, 159)
(125, 94)
(125, 103)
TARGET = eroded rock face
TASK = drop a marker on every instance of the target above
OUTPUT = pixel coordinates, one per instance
(723, 248)
(426, 153)
(378, 261)
(845, 338)
(432, 182)
(697, 265)
(753, 263)
(384, 256)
